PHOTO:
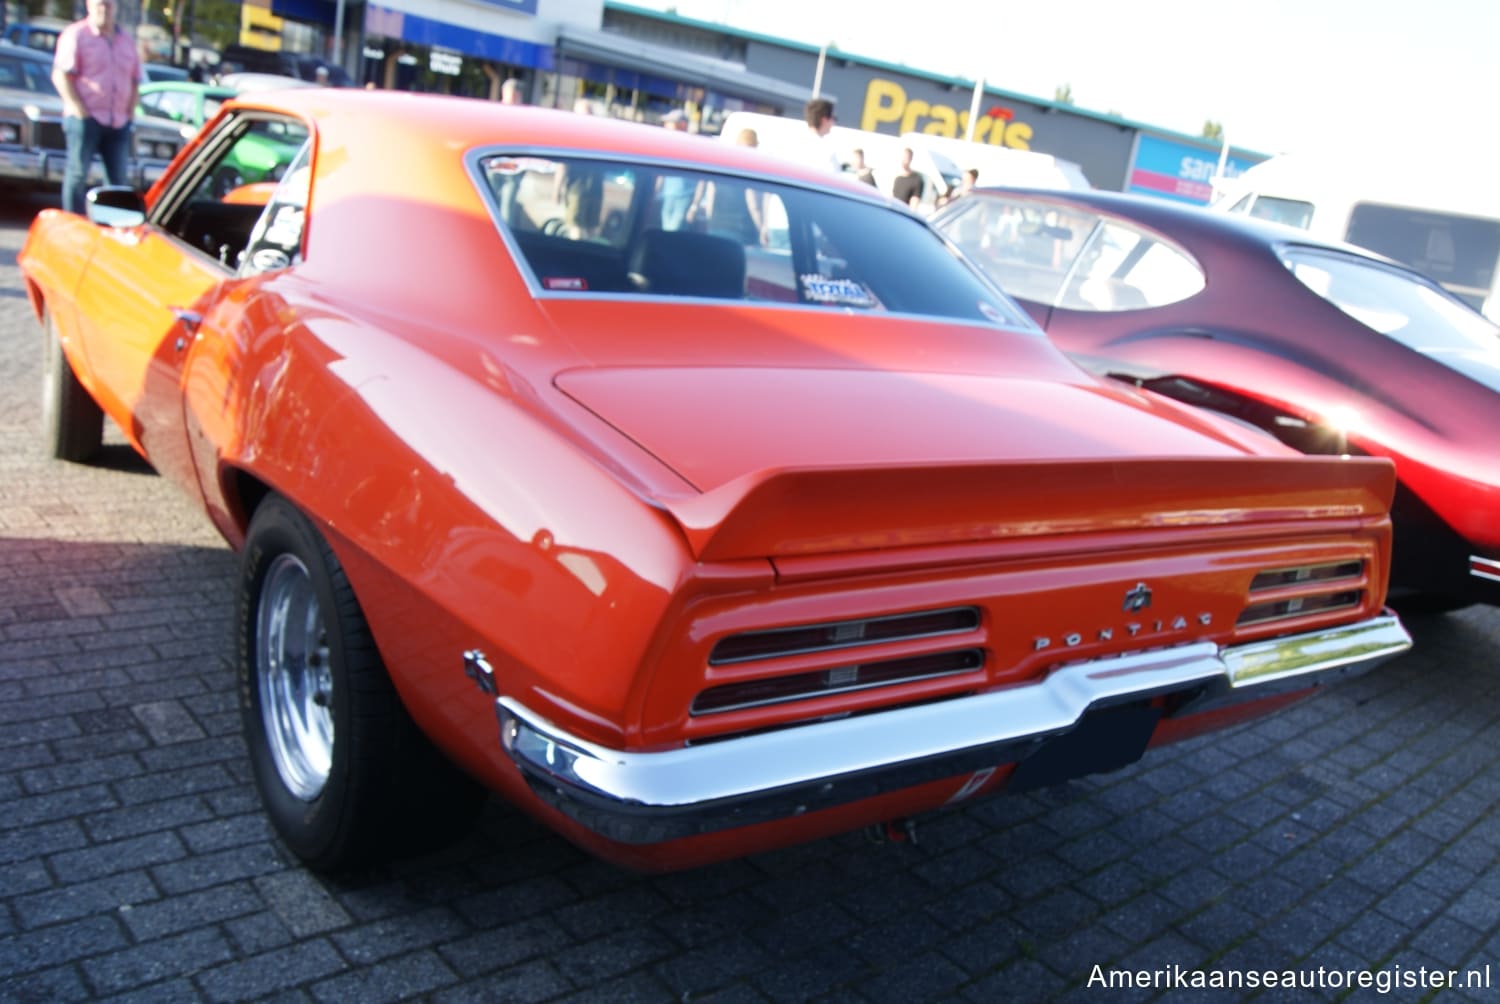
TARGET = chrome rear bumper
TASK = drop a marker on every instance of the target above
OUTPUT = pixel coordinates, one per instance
(644, 798)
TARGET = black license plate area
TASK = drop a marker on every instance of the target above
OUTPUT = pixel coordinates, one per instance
(1104, 740)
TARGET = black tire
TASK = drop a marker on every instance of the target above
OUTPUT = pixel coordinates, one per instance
(72, 422)
(343, 773)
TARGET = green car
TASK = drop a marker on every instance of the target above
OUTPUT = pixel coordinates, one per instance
(258, 158)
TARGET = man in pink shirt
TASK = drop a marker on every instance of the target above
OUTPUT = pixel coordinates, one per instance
(98, 73)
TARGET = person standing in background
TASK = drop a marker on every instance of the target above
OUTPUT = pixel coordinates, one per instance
(816, 150)
(730, 208)
(676, 192)
(860, 169)
(98, 74)
(907, 187)
(970, 179)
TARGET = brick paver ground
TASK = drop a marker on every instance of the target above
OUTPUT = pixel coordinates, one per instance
(1356, 831)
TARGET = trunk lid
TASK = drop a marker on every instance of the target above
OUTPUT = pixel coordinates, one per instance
(825, 460)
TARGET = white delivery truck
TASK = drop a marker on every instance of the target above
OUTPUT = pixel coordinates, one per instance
(1433, 219)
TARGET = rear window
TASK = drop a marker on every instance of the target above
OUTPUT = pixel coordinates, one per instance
(1412, 310)
(587, 226)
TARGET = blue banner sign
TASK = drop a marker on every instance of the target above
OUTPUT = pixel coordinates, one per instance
(1179, 171)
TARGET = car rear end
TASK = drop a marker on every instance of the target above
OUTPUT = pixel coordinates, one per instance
(923, 556)
(816, 674)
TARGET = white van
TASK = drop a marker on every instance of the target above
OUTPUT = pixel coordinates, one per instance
(999, 165)
(788, 137)
(1439, 224)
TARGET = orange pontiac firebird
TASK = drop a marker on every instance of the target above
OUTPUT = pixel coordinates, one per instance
(696, 502)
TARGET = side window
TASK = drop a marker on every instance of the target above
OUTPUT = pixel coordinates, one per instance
(1124, 268)
(1292, 212)
(1028, 247)
(218, 199)
(170, 104)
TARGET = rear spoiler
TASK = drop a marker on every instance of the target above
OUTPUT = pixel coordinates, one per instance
(780, 513)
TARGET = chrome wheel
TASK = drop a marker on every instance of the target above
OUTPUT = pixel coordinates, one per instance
(344, 774)
(295, 678)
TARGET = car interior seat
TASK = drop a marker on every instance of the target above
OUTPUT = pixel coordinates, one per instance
(688, 263)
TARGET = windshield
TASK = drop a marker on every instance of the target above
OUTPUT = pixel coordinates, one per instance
(587, 226)
(24, 74)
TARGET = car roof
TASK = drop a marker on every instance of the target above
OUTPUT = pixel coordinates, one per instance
(1189, 223)
(471, 122)
(188, 86)
(247, 80)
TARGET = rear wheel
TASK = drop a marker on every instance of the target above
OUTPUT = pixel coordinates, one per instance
(72, 422)
(344, 775)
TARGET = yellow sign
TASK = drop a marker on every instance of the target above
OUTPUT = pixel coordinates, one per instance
(886, 102)
(259, 28)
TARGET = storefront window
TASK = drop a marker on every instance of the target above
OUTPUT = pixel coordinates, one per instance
(432, 70)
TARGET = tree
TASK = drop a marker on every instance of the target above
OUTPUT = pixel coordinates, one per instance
(1213, 130)
(1064, 94)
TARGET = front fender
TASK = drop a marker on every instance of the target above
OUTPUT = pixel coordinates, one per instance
(54, 258)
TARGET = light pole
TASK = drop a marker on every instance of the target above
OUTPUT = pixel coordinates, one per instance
(974, 103)
(338, 33)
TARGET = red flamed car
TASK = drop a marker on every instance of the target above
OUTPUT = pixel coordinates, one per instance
(691, 538)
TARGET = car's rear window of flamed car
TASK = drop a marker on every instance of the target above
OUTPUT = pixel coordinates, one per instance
(591, 226)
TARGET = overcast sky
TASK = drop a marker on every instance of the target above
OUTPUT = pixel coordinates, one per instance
(1277, 74)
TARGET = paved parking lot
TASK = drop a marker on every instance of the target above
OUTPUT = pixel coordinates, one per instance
(1356, 832)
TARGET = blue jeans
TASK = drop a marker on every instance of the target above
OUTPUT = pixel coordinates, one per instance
(87, 137)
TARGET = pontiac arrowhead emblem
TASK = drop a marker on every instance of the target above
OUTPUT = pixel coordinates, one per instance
(1138, 598)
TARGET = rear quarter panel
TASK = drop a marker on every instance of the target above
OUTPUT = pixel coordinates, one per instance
(466, 517)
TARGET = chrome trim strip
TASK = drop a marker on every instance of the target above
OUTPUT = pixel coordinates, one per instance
(1290, 658)
(650, 797)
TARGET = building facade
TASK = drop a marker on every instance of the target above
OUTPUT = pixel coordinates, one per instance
(633, 62)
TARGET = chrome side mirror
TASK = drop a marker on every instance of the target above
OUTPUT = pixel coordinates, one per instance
(116, 206)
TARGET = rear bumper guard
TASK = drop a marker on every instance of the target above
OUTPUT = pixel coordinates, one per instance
(652, 797)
